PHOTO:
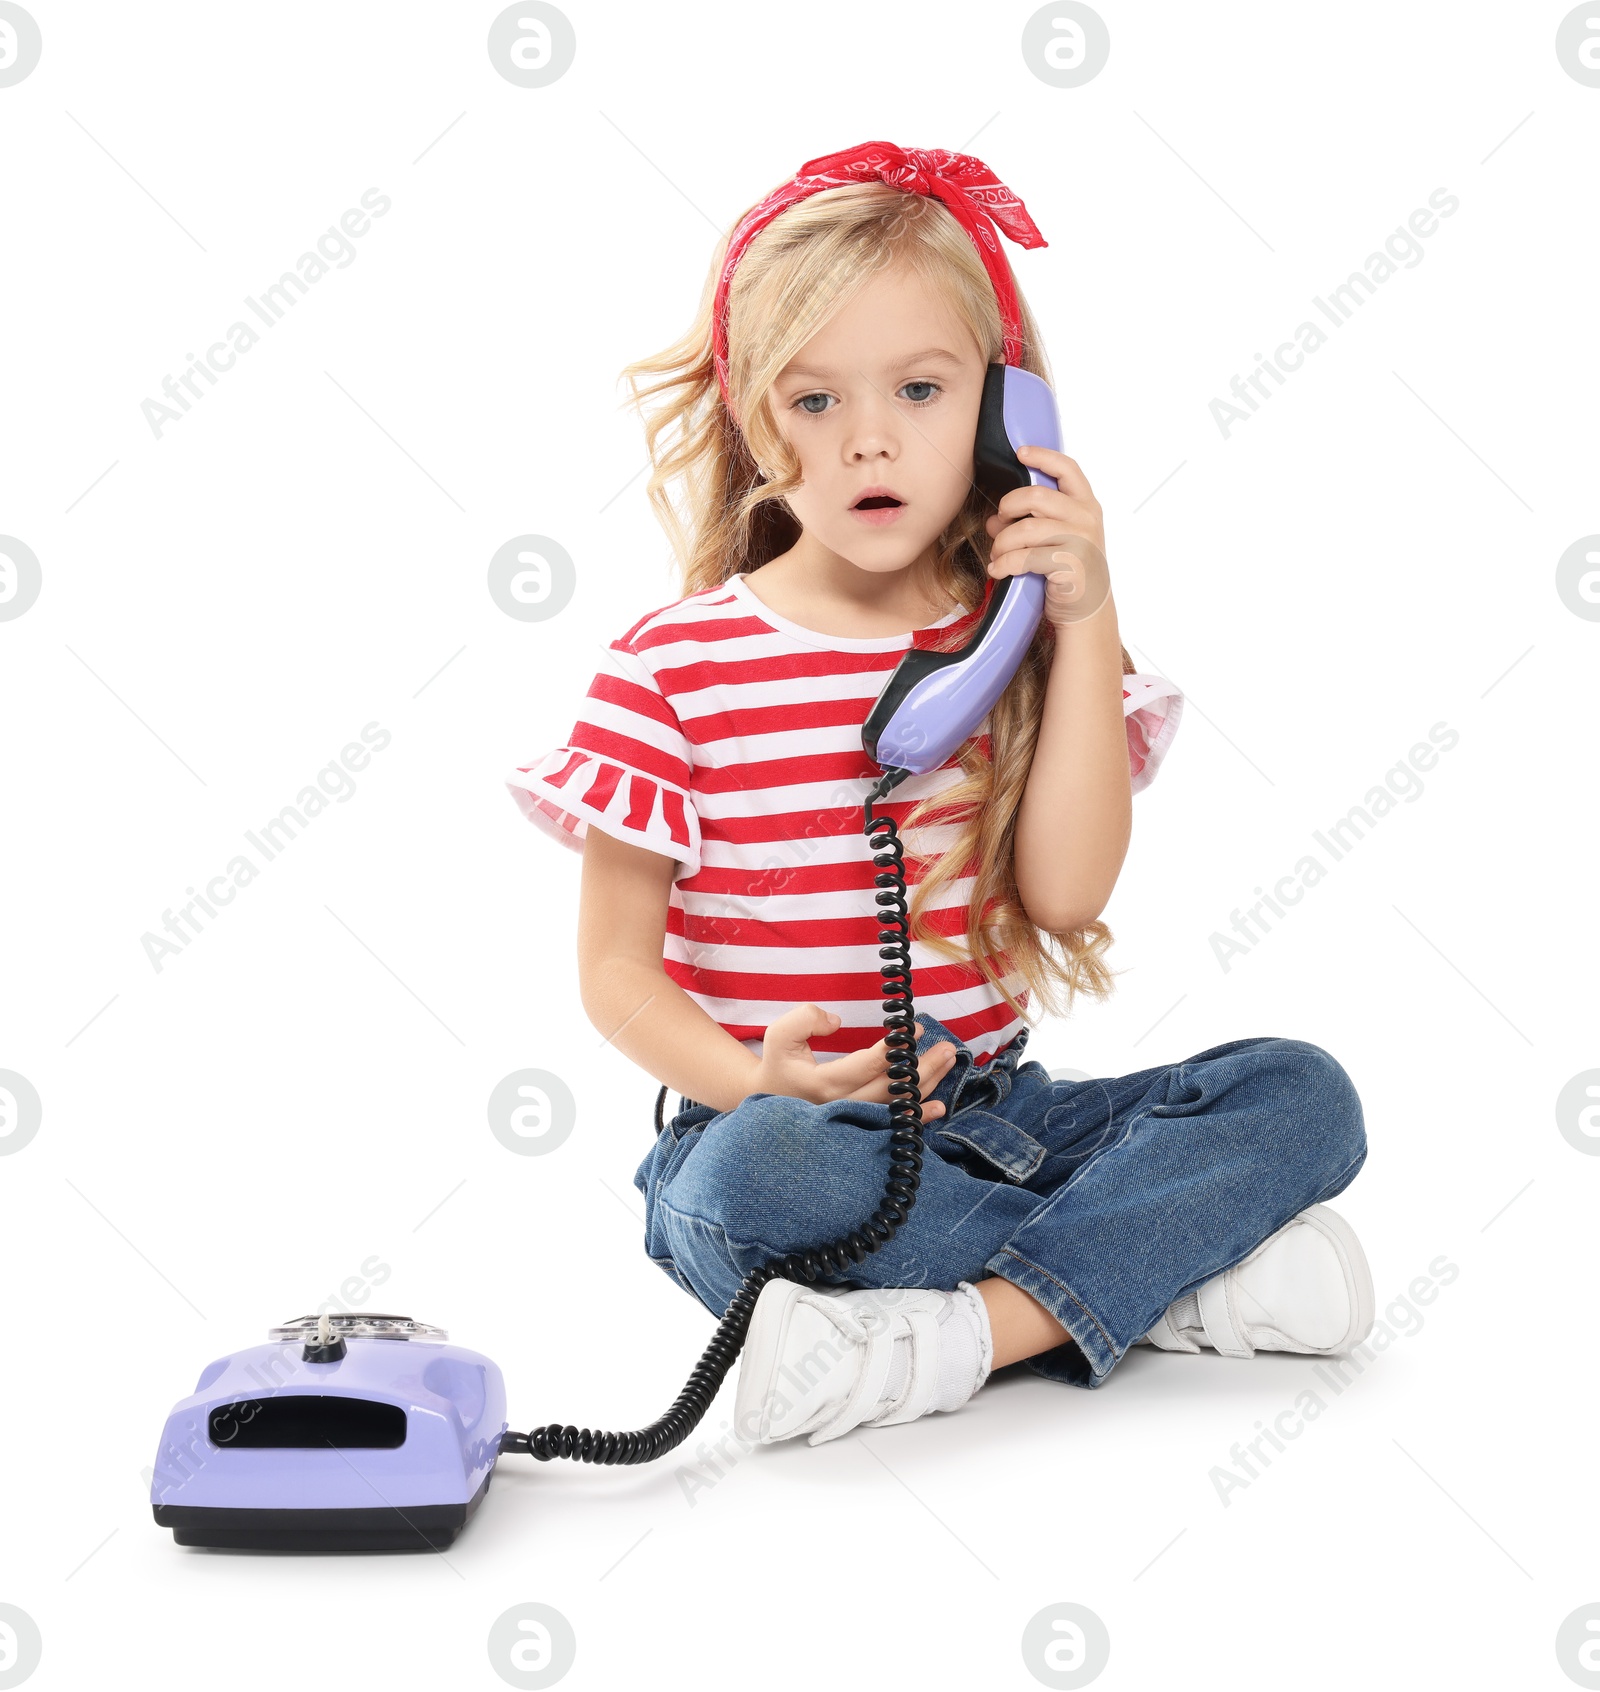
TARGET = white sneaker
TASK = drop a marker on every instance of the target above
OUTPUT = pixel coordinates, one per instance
(1306, 1288)
(823, 1360)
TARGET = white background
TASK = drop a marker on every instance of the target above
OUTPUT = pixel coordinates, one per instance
(226, 1140)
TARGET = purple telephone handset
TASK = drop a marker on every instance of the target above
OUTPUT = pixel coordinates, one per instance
(933, 701)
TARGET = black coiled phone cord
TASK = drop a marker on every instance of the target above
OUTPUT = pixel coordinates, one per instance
(586, 1445)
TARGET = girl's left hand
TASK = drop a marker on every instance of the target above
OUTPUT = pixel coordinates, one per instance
(1058, 533)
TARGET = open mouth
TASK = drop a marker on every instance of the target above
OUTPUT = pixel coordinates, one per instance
(877, 506)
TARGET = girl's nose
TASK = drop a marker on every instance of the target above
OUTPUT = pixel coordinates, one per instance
(874, 432)
(870, 443)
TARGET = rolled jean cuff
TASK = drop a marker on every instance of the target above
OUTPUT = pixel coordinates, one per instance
(1092, 1341)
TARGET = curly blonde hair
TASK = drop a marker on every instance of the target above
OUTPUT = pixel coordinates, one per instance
(733, 518)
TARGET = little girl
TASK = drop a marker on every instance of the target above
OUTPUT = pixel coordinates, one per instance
(820, 417)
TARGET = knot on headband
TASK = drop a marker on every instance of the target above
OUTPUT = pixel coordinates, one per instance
(976, 197)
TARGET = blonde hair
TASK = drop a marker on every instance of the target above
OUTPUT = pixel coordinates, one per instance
(734, 518)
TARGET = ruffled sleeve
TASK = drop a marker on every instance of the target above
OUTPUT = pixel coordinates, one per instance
(1151, 707)
(626, 770)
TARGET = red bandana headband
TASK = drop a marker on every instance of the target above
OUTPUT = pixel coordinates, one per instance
(976, 197)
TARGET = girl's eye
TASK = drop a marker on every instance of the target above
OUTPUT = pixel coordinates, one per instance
(930, 390)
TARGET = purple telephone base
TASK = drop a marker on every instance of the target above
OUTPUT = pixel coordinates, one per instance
(387, 1446)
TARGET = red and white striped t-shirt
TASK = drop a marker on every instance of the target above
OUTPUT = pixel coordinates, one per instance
(729, 738)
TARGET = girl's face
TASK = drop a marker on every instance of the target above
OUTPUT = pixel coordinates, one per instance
(882, 401)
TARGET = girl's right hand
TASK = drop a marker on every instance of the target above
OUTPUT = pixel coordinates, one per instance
(787, 1066)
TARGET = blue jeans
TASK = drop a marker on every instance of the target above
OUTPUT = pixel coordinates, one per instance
(1104, 1200)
